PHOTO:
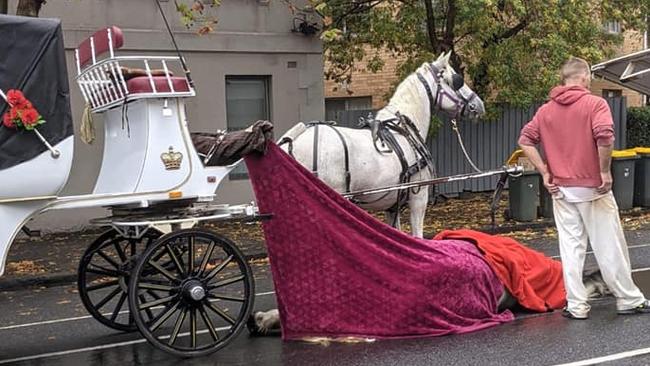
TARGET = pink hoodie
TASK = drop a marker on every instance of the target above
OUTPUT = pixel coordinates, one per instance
(570, 127)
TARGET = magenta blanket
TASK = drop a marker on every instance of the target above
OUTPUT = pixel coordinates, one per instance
(340, 272)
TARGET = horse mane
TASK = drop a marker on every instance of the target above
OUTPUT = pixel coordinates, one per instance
(409, 101)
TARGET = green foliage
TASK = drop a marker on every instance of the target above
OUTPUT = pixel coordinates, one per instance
(509, 51)
(638, 127)
(195, 14)
(434, 126)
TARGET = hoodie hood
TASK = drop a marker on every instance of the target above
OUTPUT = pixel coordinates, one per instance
(566, 95)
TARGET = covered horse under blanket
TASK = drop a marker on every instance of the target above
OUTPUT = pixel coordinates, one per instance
(340, 272)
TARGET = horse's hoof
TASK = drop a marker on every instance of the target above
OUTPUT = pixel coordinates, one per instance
(253, 329)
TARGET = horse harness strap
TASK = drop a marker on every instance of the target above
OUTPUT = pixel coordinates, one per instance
(348, 175)
(385, 132)
(433, 101)
(314, 163)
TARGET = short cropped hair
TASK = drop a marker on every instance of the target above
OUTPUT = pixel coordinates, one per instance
(573, 67)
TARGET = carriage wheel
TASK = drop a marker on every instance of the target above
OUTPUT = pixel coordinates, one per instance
(103, 277)
(200, 303)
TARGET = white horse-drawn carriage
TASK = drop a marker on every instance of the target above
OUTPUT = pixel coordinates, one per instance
(188, 290)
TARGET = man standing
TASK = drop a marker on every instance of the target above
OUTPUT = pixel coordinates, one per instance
(575, 131)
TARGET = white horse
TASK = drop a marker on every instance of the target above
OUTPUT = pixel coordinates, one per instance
(433, 86)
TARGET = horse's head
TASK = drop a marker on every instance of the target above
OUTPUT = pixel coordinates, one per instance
(448, 89)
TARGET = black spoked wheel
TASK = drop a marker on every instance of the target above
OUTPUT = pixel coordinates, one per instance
(198, 304)
(103, 277)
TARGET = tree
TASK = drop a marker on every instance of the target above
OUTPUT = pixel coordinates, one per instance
(510, 50)
(29, 8)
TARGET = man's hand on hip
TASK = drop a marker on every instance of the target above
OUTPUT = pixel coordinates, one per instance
(552, 188)
(606, 184)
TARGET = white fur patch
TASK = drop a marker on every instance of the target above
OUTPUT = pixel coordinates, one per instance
(267, 320)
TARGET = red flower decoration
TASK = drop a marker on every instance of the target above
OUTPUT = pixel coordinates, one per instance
(13, 113)
(22, 114)
(16, 99)
(29, 117)
(7, 121)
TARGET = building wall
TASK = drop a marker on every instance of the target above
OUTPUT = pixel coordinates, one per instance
(367, 84)
(253, 37)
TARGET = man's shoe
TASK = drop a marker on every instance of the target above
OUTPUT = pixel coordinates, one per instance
(567, 314)
(644, 308)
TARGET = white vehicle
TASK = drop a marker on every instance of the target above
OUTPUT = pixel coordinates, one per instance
(189, 289)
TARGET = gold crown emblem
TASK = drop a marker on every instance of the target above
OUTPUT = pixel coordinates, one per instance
(172, 159)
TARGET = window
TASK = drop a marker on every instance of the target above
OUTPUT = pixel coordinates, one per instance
(247, 101)
(3, 6)
(346, 111)
(612, 93)
(612, 27)
(340, 109)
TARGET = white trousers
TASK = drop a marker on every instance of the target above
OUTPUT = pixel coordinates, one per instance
(598, 223)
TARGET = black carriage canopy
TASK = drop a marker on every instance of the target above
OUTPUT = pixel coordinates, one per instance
(32, 60)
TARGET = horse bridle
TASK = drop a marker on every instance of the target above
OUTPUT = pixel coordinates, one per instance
(460, 100)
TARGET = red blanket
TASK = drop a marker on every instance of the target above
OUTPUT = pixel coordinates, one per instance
(534, 279)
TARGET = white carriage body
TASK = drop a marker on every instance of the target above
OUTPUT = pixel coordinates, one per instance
(148, 152)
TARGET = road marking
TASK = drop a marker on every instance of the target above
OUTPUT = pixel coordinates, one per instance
(63, 353)
(608, 358)
(55, 321)
(96, 348)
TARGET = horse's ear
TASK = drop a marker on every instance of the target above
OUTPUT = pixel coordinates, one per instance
(444, 58)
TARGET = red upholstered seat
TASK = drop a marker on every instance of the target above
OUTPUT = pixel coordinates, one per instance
(102, 44)
(141, 84)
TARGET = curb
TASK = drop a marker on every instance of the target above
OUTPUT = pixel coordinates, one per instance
(65, 278)
(518, 227)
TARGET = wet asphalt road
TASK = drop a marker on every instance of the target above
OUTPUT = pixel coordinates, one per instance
(51, 327)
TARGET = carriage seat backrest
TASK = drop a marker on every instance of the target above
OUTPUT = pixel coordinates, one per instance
(104, 40)
(107, 82)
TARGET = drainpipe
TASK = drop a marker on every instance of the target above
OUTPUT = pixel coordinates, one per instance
(645, 46)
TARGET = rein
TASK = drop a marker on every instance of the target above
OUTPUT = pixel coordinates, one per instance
(454, 126)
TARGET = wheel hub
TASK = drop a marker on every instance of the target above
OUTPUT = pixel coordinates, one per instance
(194, 291)
(197, 293)
(126, 267)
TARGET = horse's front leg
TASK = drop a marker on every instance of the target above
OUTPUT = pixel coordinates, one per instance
(392, 219)
(418, 206)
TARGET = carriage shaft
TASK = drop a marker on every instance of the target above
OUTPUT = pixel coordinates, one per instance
(453, 178)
